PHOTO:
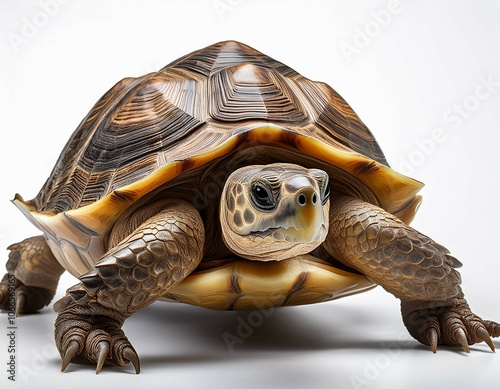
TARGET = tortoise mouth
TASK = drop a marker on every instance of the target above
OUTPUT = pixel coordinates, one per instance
(292, 234)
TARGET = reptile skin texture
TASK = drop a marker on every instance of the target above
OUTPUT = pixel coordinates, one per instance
(132, 275)
(35, 273)
(411, 266)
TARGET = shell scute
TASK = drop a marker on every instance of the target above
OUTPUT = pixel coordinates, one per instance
(249, 91)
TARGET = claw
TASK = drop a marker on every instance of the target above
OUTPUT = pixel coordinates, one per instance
(20, 302)
(432, 338)
(462, 339)
(492, 327)
(103, 354)
(485, 337)
(71, 351)
(130, 354)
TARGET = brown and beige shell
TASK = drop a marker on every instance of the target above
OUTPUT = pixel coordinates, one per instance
(217, 101)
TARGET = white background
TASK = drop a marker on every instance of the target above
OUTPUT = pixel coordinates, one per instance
(406, 69)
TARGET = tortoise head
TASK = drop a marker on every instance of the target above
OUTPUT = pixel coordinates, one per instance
(274, 212)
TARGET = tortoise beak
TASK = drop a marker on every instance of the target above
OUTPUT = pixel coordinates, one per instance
(309, 214)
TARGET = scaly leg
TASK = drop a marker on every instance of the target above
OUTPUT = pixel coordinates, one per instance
(411, 266)
(34, 272)
(159, 254)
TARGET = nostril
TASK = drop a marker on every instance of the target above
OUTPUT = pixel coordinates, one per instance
(302, 199)
(307, 197)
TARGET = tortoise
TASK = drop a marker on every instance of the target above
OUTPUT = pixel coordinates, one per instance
(229, 181)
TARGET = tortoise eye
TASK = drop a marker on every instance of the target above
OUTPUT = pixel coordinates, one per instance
(263, 197)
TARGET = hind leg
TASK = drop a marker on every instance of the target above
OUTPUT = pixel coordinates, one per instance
(33, 272)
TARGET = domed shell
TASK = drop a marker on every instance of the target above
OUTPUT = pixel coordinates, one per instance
(146, 131)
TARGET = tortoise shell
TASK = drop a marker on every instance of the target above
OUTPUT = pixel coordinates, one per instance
(146, 132)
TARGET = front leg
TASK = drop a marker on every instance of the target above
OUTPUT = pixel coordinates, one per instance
(154, 258)
(411, 266)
